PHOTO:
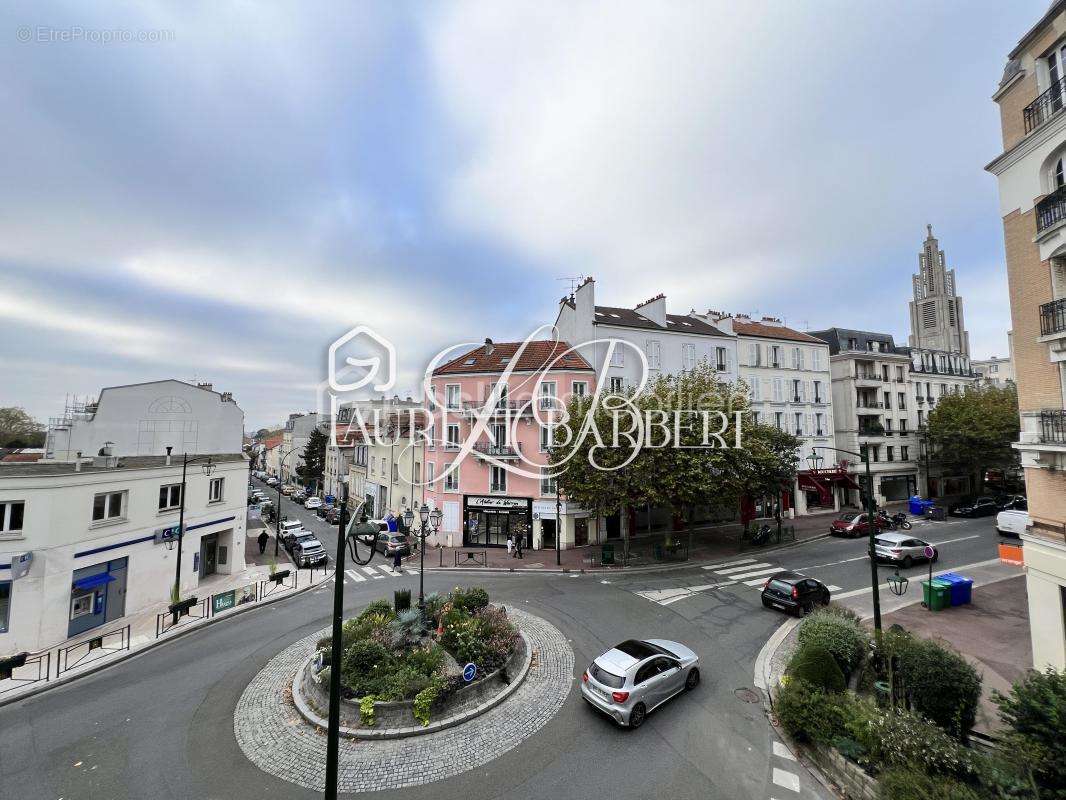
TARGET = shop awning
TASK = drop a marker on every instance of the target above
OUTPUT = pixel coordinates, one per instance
(808, 481)
(92, 581)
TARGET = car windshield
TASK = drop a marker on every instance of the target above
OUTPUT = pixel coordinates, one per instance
(606, 678)
(884, 542)
(780, 586)
(850, 517)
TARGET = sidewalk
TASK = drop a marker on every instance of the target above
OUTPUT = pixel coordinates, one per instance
(708, 544)
(132, 633)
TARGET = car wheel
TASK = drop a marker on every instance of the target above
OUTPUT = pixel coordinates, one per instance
(907, 561)
(637, 715)
(693, 679)
(799, 611)
(808, 608)
(825, 599)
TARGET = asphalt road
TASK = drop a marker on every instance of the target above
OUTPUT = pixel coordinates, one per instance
(161, 725)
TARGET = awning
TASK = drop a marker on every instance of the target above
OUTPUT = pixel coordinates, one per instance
(808, 481)
(847, 480)
(92, 581)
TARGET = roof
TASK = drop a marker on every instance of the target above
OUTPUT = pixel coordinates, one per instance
(273, 441)
(751, 328)
(628, 318)
(838, 338)
(536, 356)
(46, 468)
(1053, 10)
(13, 458)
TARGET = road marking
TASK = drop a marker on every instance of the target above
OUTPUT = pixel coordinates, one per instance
(745, 568)
(355, 576)
(786, 780)
(960, 539)
(764, 572)
(833, 588)
(411, 571)
(863, 557)
(781, 751)
(389, 571)
(370, 571)
(658, 595)
(729, 563)
(757, 581)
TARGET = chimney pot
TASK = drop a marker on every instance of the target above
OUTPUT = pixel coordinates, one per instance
(77, 464)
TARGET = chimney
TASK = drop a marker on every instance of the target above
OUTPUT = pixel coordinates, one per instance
(654, 309)
(77, 463)
(205, 386)
(489, 347)
(169, 448)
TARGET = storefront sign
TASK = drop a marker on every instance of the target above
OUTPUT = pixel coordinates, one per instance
(164, 535)
(20, 565)
(546, 508)
(223, 600)
(497, 502)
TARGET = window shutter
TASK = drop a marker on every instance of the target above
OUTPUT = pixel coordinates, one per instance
(729, 360)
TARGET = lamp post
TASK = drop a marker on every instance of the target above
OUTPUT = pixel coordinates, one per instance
(208, 467)
(558, 524)
(429, 522)
(277, 517)
(870, 517)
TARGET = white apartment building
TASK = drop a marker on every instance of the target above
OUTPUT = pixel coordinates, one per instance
(83, 543)
(788, 374)
(143, 419)
(671, 343)
(294, 439)
(994, 371)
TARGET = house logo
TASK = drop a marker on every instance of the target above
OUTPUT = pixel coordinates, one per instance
(381, 373)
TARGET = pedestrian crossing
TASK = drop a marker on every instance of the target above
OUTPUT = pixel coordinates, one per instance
(747, 572)
(368, 573)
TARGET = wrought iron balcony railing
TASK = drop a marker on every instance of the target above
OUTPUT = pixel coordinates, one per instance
(497, 450)
(1051, 210)
(1053, 426)
(1053, 317)
(1044, 107)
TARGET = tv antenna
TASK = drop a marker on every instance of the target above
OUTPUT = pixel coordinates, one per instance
(573, 282)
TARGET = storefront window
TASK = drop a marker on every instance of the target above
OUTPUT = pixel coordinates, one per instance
(5, 605)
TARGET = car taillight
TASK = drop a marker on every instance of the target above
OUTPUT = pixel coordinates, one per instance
(795, 592)
(896, 551)
(767, 583)
(585, 677)
(620, 697)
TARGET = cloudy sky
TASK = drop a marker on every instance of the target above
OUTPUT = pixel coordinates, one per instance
(224, 198)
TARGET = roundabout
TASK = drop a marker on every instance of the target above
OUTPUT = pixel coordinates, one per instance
(275, 736)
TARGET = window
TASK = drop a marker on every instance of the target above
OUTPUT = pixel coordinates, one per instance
(688, 356)
(779, 420)
(904, 454)
(214, 490)
(888, 399)
(11, 514)
(373, 464)
(901, 401)
(580, 388)
(884, 372)
(452, 396)
(395, 472)
(775, 356)
(109, 505)
(721, 359)
(5, 605)
(899, 374)
(451, 481)
(431, 469)
(818, 429)
(799, 424)
(498, 481)
(875, 452)
(617, 385)
(547, 394)
(797, 358)
(795, 391)
(921, 418)
(652, 349)
(756, 388)
(902, 427)
(817, 390)
(453, 437)
(754, 355)
(755, 417)
(547, 481)
(545, 437)
(617, 359)
(890, 453)
(816, 359)
(779, 390)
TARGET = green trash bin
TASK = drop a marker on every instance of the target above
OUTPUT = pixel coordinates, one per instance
(607, 555)
(936, 595)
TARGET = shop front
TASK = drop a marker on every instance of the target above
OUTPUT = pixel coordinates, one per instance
(895, 488)
(488, 521)
(97, 595)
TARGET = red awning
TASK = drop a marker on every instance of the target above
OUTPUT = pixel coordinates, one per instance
(808, 481)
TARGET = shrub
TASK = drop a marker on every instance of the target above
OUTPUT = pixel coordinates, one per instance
(366, 711)
(470, 600)
(1035, 713)
(486, 639)
(844, 638)
(426, 698)
(362, 661)
(940, 684)
(401, 600)
(433, 604)
(376, 608)
(904, 739)
(813, 663)
(406, 629)
(811, 715)
(908, 784)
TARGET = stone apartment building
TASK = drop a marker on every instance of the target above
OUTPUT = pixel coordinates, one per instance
(1031, 172)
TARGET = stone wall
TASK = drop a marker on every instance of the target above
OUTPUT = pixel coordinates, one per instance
(852, 779)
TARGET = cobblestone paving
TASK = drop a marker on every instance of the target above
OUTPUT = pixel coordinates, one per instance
(276, 738)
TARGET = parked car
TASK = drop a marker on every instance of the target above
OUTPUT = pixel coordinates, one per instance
(794, 593)
(853, 524)
(290, 528)
(313, 502)
(321, 510)
(287, 490)
(307, 551)
(389, 543)
(980, 507)
(1013, 502)
(634, 678)
(272, 481)
(333, 515)
(902, 549)
(1012, 522)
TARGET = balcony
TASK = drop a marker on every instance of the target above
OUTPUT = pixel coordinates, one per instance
(818, 400)
(869, 404)
(501, 408)
(1053, 317)
(1053, 426)
(1044, 107)
(867, 378)
(871, 430)
(488, 449)
(1051, 210)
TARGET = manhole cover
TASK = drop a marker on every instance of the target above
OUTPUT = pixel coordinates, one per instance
(747, 695)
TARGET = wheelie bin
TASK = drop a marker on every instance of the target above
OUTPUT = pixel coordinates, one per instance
(936, 594)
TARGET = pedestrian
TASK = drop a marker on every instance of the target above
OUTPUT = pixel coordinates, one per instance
(510, 546)
(263, 539)
(396, 561)
(518, 544)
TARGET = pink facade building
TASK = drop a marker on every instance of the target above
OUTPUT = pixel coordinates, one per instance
(486, 462)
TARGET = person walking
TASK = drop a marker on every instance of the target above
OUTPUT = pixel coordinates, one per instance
(397, 562)
(518, 544)
(510, 545)
(263, 539)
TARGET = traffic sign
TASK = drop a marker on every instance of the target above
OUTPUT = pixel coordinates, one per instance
(469, 672)
(929, 551)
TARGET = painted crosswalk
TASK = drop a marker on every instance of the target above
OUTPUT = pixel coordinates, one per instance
(369, 572)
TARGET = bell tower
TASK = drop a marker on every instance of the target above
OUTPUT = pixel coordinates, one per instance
(936, 310)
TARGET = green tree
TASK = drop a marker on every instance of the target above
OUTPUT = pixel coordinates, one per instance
(972, 431)
(19, 429)
(314, 459)
(1035, 713)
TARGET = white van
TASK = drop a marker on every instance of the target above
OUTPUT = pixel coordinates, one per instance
(1012, 523)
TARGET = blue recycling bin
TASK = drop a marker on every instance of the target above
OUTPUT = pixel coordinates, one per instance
(961, 588)
(915, 506)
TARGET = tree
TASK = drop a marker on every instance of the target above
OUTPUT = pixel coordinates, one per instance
(1035, 715)
(314, 459)
(19, 429)
(769, 467)
(973, 431)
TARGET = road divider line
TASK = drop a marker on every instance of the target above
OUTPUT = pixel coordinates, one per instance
(746, 568)
(370, 571)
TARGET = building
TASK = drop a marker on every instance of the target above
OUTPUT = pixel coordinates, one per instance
(881, 397)
(670, 343)
(788, 373)
(492, 485)
(1032, 192)
(936, 311)
(144, 419)
(994, 371)
(294, 439)
(82, 544)
(355, 448)
(272, 453)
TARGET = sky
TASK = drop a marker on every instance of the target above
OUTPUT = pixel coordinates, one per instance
(217, 191)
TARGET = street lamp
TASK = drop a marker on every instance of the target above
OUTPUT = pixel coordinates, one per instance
(898, 584)
(815, 461)
(277, 516)
(871, 510)
(429, 522)
(208, 467)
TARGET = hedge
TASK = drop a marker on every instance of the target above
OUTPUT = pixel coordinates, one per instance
(814, 664)
(845, 639)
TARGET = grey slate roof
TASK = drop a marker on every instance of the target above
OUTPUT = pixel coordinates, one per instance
(628, 318)
(46, 468)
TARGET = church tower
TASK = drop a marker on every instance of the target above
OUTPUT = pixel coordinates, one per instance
(936, 310)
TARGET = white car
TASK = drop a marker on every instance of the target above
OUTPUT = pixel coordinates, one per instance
(272, 481)
(902, 549)
(1012, 523)
(313, 503)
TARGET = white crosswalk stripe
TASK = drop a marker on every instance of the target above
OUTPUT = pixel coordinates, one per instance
(768, 570)
(370, 571)
(729, 563)
(745, 568)
(389, 572)
(782, 751)
(787, 780)
(833, 588)
(760, 582)
(355, 576)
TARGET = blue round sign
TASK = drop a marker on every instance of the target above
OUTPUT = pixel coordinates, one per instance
(469, 671)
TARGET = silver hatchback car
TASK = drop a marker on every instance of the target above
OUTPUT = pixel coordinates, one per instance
(632, 679)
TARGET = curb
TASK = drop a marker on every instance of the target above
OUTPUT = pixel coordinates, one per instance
(55, 683)
(311, 717)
